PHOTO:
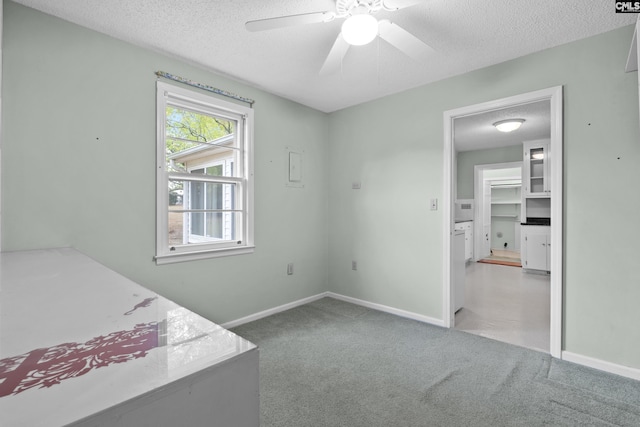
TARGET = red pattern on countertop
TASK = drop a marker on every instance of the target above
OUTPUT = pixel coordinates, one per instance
(45, 367)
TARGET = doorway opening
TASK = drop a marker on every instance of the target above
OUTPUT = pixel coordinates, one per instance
(498, 198)
(501, 301)
(545, 198)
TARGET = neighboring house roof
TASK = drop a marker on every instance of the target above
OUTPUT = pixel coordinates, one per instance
(203, 149)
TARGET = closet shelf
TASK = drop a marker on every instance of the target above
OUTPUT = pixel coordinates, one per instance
(506, 202)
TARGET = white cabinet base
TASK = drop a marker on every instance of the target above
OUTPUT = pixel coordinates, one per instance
(536, 241)
(467, 227)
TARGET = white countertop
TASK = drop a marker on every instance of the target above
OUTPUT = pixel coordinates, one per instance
(77, 338)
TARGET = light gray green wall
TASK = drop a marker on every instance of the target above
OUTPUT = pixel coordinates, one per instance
(78, 169)
(65, 86)
(504, 231)
(388, 228)
(467, 160)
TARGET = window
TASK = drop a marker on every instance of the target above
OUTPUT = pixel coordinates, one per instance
(204, 176)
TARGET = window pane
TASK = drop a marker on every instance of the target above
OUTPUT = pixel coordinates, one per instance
(215, 170)
(202, 195)
(200, 143)
(187, 227)
(176, 194)
(209, 195)
(215, 165)
(214, 227)
(213, 223)
(213, 196)
(196, 126)
(176, 228)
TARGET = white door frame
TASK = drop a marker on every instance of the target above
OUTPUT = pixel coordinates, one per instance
(554, 95)
(478, 171)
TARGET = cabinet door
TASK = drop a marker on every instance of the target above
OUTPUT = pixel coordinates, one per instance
(536, 170)
(467, 245)
(536, 251)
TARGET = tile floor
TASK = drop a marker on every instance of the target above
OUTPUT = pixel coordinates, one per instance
(505, 304)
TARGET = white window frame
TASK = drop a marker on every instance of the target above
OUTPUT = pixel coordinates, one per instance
(194, 100)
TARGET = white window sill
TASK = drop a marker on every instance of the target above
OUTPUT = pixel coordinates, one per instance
(193, 256)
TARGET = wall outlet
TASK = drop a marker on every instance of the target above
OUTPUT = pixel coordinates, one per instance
(290, 269)
(354, 265)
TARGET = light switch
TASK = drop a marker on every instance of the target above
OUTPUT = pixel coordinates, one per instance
(434, 204)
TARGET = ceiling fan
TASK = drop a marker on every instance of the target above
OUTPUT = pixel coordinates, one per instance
(359, 28)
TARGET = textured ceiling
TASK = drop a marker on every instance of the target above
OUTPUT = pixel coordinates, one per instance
(466, 35)
(477, 132)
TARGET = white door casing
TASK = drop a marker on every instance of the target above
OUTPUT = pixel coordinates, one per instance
(554, 95)
(486, 219)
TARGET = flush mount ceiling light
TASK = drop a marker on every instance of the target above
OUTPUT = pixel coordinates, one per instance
(508, 125)
(360, 28)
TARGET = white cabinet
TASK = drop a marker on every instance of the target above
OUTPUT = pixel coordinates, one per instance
(536, 247)
(536, 171)
(467, 227)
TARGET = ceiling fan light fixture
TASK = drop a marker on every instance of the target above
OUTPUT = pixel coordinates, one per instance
(508, 125)
(360, 29)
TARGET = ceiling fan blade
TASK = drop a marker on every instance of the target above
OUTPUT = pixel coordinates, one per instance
(400, 4)
(404, 41)
(289, 21)
(334, 59)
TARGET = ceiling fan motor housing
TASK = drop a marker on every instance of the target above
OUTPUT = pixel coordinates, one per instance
(348, 7)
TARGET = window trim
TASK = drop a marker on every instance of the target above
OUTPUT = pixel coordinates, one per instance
(167, 94)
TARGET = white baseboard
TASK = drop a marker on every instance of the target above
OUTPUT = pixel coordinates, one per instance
(374, 306)
(602, 365)
(625, 371)
(269, 312)
(387, 309)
